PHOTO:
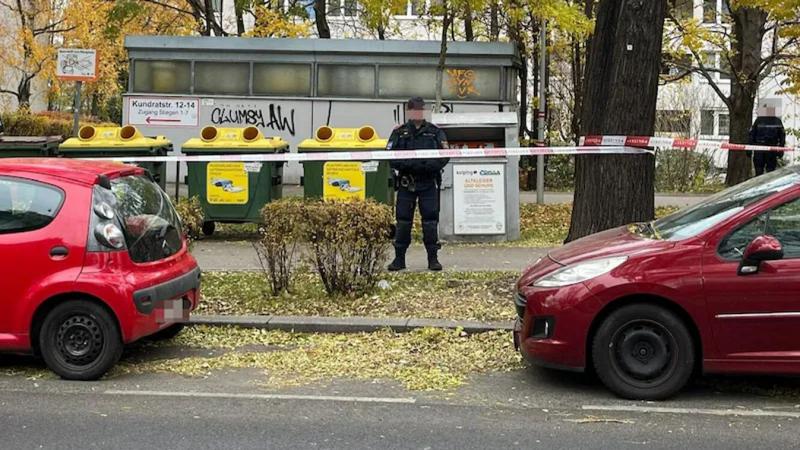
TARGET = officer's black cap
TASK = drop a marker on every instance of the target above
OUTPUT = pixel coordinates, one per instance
(415, 103)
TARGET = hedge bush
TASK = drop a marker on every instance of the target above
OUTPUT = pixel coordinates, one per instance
(24, 123)
(346, 242)
(191, 215)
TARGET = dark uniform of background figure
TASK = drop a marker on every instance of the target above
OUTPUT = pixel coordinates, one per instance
(417, 182)
(767, 130)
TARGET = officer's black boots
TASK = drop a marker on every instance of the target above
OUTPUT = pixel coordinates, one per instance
(399, 262)
(433, 260)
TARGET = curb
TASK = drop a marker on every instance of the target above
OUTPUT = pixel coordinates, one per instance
(317, 324)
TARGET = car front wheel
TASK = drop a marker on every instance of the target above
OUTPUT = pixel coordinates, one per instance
(80, 340)
(643, 352)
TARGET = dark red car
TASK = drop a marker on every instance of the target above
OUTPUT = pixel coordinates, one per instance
(92, 257)
(714, 288)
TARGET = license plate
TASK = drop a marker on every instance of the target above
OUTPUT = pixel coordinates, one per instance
(172, 311)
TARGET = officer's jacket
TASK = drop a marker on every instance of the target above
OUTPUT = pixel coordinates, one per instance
(768, 130)
(426, 137)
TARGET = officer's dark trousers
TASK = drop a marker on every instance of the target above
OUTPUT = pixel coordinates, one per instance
(428, 199)
(765, 160)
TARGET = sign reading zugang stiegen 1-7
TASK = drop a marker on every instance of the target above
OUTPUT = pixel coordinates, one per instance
(164, 111)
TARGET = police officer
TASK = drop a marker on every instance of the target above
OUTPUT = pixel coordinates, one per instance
(767, 130)
(417, 182)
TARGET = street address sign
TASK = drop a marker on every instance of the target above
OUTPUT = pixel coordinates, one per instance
(163, 111)
(76, 64)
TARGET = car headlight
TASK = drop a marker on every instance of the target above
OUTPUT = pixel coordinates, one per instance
(580, 272)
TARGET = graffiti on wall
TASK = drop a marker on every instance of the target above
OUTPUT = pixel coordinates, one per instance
(272, 117)
(462, 82)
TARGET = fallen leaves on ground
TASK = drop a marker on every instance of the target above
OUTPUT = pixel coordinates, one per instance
(451, 295)
(424, 359)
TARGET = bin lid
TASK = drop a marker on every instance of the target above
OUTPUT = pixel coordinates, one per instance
(110, 138)
(17, 142)
(234, 140)
(343, 139)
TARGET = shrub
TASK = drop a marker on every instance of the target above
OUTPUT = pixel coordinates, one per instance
(685, 171)
(25, 123)
(191, 215)
(348, 243)
(280, 235)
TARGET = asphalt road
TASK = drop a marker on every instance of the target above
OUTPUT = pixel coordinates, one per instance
(520, 409)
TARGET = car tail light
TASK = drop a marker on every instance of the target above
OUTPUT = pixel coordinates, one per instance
(110, 235)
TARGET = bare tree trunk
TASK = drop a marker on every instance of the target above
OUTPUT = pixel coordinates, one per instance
(209, 15)
(321, 19)
(621, 87)
(381, 33)
(239, 10)
(494, 24)
(446, 19)
(748, 35)
(469, 34)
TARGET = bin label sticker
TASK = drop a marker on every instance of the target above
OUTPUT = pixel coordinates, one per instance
(342, 180)
(369, 166)
(253, 166)
(227, 183)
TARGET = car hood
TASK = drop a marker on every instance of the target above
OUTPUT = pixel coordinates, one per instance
(615, 242)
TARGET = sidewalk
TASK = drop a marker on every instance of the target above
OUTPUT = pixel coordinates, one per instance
(228, 255)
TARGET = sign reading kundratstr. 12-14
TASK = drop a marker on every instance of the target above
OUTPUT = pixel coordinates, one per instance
(164, 111)
(479, 199)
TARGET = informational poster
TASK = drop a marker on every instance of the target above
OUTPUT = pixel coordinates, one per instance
(227, 183)
(342, 180)
(479, 198)
(76, 64)
(164, 111)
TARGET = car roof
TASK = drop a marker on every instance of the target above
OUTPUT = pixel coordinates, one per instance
(77, 170)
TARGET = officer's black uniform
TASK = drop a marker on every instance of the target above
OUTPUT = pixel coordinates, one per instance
(417, 181)
(767, 130)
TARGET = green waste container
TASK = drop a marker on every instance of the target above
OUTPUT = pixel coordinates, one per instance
(234, 192)
(346, 179)
(28, 146)
(123, 142)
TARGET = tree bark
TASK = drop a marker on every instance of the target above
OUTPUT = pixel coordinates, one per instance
(446, 19)
(321, 19)
(469, 34)
(621, 87)
(746, 58)
(239, 11)
(494, 21)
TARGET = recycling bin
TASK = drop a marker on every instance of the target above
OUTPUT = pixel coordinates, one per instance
(233, 191)
(346, 179)
(28, 146)
(122, 142)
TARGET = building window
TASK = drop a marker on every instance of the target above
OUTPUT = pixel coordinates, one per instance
(682, 9)
(707, 122)
(346, 8)
(724, 68)
(724, 124)
(346, 81)
(162, 77)
(709, 11)
(473, 83)
(669, 121)
(221, 78)
(725, 11)
(406, 81)
(282, 79)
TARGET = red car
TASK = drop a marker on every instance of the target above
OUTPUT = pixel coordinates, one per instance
(92, 257)
(714, 288)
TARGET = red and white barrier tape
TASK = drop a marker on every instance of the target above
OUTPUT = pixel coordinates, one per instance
(386, 154)
(667, 143)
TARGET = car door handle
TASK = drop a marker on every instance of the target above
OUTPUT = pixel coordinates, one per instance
(59, 251)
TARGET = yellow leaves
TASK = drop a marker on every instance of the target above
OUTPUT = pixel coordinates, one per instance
(424, 359)
(275, 24)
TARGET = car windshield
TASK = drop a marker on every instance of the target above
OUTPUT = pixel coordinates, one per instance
(151, 226)
(696, 219)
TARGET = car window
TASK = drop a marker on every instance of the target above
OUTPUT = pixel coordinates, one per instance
(27, 205)
(782, 222)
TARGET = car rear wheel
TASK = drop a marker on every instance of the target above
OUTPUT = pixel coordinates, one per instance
(80, 340)
(167, 333)
(643, 352)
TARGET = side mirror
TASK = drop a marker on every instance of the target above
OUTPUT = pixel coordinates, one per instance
(763, 248)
